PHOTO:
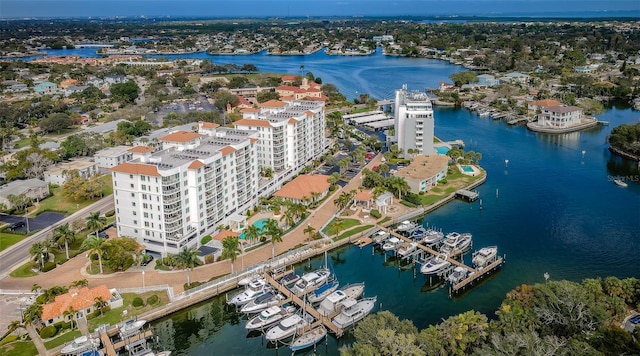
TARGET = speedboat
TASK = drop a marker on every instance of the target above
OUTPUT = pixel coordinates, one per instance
(435, 265)
(406, 226)
(269, 317)
(263, 302)
(620, 183)
(455, 242)
(407, 248)
(432, 237)
(79, 345)
(484, 256)
(333, 302)
(131, 327)
(458, 275)
(380, 237)
(287, 327)
(289, 279)
(255, 289)
(322, 292)
(392, 244)
(309, 338)
(354, 311)
(311, 280)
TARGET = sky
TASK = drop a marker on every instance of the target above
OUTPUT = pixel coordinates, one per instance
(316, 8)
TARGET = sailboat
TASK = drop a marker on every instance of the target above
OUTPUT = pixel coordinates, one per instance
(309, 338)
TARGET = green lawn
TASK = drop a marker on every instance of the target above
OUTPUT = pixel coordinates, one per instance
(347, 223)
(114, 316)
(7, 239)
(23, 271)
(62, 339)
(20, 348)
(455, 180)
(59, 202)
(352, 232)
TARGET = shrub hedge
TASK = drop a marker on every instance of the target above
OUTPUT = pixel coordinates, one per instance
(153, 299)
(48, 332)
(137, 302)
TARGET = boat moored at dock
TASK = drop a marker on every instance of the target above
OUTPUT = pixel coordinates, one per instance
(322, 292)
(484, 256)
(309, 338)
(255, 289)
(311, 280)
(407, 248)
(288, 327)
(289, 279)
(435, 265)
(457, 275)
(432, 237)
(392, 244)
(380, 237)
(333, 302)
(269, 317)
(80, 345)
(354, 311)
(263, 302)
(406, 226)
(455, 242)
(131, 327)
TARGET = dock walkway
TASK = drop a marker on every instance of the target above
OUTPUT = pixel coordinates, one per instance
(467, 194)
(478, 274)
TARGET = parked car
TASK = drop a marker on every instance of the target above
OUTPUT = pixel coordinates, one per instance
(16, 225)
(146, 260)
(635, 319)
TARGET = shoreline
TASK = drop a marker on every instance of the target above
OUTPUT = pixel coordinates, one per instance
(623, 154)
(582, 126)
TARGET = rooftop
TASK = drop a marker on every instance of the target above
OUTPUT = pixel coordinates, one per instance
(303, 186)
(78, 299)
(424, 167)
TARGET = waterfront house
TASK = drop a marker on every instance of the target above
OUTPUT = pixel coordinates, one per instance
(488, 80)
(46, 88)
(59, 173)
(536, 107)
(560, 116)
(81, 300)
(305, 188)
(425, 172)
(34, 189)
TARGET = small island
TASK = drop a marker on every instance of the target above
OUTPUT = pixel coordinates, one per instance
(625, 141)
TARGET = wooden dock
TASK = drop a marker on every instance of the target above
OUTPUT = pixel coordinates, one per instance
(109, 348)
(477, 274)
(326, 320)
(467, 194)
(363, 241)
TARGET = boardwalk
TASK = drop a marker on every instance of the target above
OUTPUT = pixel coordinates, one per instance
(478, 274)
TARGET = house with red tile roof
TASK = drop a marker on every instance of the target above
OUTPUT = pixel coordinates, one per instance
(305, 188)
(81, 300)
(536, 107)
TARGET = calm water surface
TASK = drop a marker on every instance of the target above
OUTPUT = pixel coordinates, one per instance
(554, 208)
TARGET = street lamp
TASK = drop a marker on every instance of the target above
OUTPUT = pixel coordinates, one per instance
(143, 286)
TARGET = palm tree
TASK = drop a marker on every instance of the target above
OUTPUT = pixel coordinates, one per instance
(187, 259)
(70, 312)
(63, 234)
(273, 230)
(337, 225)
(310, 230)
(36, 288)
(13, 326)
(288, 216)
(39, 251)
(230, 249)
(252, 232)
(100, 304)
(95, 247)
(95, 222)
(32, 313)
(80, 283)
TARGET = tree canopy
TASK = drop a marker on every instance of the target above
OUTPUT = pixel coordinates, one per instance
(462, 78)
(125, 92)
(626, 138)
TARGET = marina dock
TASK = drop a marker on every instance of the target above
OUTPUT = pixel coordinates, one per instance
(467, 194)
(477, 274)
(363, 241)
(109, 348)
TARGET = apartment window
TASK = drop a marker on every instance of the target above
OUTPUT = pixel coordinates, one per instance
(135, 222)
(131, 185)
(145, 206)
(135, 213)
(133, 195)
(133, 203)
(144, 187)
(146, 224)
(131, 176)
(145, 214)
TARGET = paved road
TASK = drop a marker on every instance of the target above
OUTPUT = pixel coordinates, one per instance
(18, 254)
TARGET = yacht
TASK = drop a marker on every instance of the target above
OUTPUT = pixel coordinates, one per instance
(435, 265)
(309, 338)
(333, 302)
(380, 237)
(432, 237)
(255, 272)
(263, 302)
(287, 327)
(484, 256)
(458, 275)
(418, 233)
(131, 327)
(620, 183)
(392, 244)
(311, 280)
(80, 345)
(407, 248)
(455, 242)
(289, 279)
(406, 226)
(322, 292)
(255, 289)
(269, 317)
(354, 311)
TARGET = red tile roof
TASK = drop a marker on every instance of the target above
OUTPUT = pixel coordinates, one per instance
(196, 164)
(253, 122)
(303, 185)
(181, 136)
(208, 125)
(227, 150)
(141, 149)
(79, 299)
(250, 110)
(137, 168)
(546, 103)
(224, 234)
(272, 104)
(363, 196)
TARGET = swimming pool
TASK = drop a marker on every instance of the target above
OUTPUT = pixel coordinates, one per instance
(259, 224)
(442, 149)
(467, 169)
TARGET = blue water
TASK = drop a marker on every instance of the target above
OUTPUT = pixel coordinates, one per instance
(259, 224)
(467, 169)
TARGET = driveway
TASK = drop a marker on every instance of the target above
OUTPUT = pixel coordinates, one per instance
(41, 221)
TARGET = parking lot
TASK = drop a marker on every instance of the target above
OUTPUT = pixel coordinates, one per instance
(41, 221)
(200, 104)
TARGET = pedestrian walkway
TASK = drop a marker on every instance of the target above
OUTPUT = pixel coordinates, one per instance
(33, 334)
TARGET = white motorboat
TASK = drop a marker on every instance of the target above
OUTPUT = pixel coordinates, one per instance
(380, 237)
(354, 311)
(406, 226)
(322, 292)
(131, 327)
(620, 183)
(455, 242)
(458, 275)
(418, 233)
(255, 289)
(311, 280)
(80, 345)
(255, 272)
(434, 265)
(484, 256)
(392, 244)
(269, 317)
(287, 327)
(333, 302)
(407, 248)
(289, 279)
(432, 237)
(263, 302)
(309, 338)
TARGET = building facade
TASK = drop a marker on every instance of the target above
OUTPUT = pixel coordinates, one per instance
(560, 116)
(414, 122)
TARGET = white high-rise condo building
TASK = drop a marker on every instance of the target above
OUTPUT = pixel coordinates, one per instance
(414, 122)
